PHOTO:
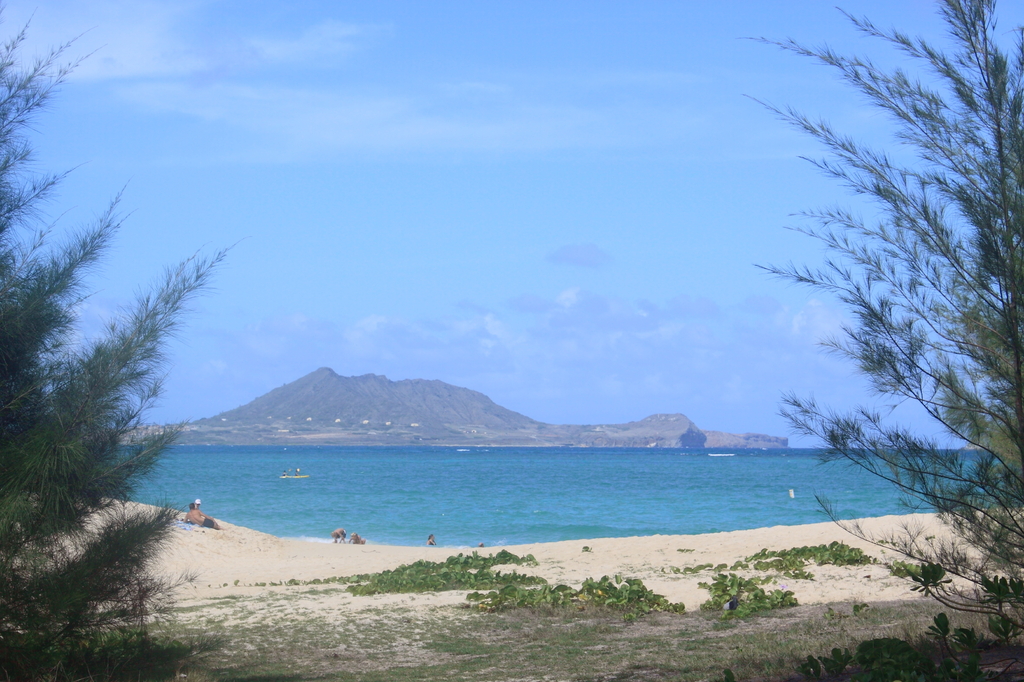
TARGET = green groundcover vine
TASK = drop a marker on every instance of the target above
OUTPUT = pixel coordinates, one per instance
(629, 595)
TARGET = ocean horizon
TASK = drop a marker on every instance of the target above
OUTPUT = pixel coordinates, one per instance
(511, 495)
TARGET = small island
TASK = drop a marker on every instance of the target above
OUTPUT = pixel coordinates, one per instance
(324, 408)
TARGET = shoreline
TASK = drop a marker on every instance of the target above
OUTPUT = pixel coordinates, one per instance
(232, 561)
(317, 539)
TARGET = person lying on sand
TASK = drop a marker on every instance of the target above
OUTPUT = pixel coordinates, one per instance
(339, 535)
(356, 540)
(198, 518)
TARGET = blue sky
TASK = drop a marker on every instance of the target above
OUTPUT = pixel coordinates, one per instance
(560, 205)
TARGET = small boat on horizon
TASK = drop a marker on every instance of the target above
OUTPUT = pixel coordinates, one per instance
(721, 454)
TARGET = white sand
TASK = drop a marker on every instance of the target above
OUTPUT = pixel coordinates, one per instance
(247, 556)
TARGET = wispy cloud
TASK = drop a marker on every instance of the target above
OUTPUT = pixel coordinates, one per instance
(580, 255)
(324, 40)
(266, 88)
(144, 40)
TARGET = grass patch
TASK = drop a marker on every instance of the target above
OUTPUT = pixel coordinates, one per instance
(588, 644)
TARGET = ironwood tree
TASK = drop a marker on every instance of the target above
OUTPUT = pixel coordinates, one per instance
(934, 283)
(76, 556)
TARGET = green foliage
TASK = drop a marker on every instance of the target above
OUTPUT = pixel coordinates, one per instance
(727, 676)
(751, 596)
(1004, 629)
(1001, 590)
(629, 595)
(461, 572)
(121, 654)
(940, 628)
(415, 579)
(725, 587)
(789, 562)
(832, 614)
(904, 569)
(952, 640)
(75, 556)
(513, 596)
(829, 665)
(929, 579)
(811, 668)
(889, 659)
(835, 553)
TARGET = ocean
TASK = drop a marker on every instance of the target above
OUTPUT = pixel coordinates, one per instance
(464, 496)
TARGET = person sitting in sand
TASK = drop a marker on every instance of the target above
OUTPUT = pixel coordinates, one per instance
(356, 540)
(198, 518)
(431, 540)
(339, 535)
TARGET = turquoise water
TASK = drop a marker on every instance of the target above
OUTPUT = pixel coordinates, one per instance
(498, 496)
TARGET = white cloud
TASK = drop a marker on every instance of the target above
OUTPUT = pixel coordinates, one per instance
(568, 298)
(817, 321)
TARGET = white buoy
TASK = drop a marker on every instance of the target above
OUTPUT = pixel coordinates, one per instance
(791, 493)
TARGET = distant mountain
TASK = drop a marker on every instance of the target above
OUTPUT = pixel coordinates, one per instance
(325, 408)
(325, 398)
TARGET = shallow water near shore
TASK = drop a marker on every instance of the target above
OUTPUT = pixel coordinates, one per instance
(464, 496)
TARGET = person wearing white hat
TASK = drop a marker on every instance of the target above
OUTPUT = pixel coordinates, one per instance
(198, 518)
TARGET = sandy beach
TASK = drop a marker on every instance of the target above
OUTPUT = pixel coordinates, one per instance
(232, 561)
